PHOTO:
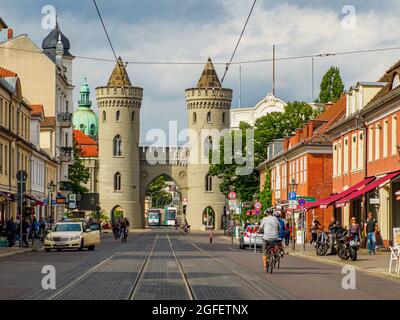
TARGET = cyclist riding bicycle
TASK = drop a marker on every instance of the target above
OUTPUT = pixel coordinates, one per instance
(270, 227)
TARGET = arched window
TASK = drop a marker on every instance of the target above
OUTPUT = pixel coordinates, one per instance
(208, 145)
(194, 117)
(117, 143)
(104, 116)
(223, 117)
(118, 115)
(117, 182)
(133, 116)
(209, 119)
(208, 183)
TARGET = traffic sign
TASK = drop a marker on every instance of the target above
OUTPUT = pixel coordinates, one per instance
(292, 196)
(308, 199)
(258, 205)
(302, 202)
(232, 195)
(21, 176)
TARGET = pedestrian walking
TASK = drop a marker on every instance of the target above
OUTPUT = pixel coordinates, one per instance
(287, 234)
(354, 229)
(11, 230)
(370, 229)
(25, 230)
(314, 228)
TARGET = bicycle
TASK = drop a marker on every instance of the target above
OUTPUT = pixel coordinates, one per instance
(273, 256)
(123, 234)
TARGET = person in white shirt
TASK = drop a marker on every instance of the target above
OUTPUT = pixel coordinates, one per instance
(270, 228)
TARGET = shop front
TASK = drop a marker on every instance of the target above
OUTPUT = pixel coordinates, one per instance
(5, 207)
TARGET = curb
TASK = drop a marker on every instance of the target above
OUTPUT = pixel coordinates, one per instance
(15, 253)
(374, 273)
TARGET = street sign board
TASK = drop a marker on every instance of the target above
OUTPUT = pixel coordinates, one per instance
(292, 196)
(72, 200)
(232, 202)
(292, 206)
(374, 201)
(246, 205)
(308, 199)
(232, 195)
(258, 205)
(302, 202)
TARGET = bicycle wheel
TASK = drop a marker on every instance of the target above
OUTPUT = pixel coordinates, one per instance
(271, 263)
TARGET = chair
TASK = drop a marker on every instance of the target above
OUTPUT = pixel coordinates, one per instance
(394, 256)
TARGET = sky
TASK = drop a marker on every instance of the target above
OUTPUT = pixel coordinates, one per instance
(193, 30)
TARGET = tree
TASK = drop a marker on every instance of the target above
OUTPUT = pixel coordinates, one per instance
(272, 126)
(156, 190)
(331, 86)
(78, 174)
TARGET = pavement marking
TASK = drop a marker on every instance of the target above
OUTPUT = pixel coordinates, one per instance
(184, 277)
(142, 268)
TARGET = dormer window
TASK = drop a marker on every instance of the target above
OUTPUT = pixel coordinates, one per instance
(396, 81)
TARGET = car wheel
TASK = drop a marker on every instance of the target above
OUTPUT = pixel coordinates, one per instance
(58, 250)
(47, 250)
(91, 248)
(81, 246)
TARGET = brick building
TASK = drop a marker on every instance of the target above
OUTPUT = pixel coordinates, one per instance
(306, 159)
(366, 154)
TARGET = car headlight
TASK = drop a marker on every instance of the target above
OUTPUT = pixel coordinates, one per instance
(76, 238)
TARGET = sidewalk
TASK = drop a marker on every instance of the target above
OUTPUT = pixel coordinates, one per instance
(7, 252)
(374, 264)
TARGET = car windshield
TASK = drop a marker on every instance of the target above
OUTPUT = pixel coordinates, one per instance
(67, 227)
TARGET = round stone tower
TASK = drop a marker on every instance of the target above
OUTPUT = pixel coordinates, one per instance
(208, 107)
(119, 128)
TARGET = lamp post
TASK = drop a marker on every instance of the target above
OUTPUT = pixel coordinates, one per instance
(51, 189)
(293, 188)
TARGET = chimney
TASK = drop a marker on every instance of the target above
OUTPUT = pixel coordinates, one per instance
(10, 33)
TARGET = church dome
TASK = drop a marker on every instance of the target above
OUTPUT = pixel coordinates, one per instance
(84, 118)
(49, 43)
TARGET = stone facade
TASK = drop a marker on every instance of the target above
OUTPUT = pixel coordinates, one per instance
(119, 104)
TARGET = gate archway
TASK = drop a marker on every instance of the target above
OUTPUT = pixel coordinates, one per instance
(208, 218)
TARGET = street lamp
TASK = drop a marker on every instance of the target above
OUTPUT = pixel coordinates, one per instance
(293, 188)
(51, 189)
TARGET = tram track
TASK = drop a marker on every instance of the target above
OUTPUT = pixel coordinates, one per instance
(91, 271)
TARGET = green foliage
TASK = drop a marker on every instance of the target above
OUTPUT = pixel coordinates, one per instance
(272, 126)
(78, 174)
(102, 216)
(331, 86)
(156, 190)
(265, 196)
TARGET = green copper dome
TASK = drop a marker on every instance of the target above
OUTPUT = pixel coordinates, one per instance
(84, 118)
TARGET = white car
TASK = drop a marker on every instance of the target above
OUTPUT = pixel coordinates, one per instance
(250, 236)
(68, 235)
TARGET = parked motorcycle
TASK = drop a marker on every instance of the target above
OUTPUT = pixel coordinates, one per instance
(322, 245)
(347, 246)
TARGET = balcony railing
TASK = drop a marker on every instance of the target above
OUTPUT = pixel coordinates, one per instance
(65, 118)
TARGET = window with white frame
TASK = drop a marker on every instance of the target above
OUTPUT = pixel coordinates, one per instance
(335, 153)
(305, 168)
(370, 143)
(377, 140)
(297, 170)
(385, 138)
(394, 135)
(301, 170)
(353, 152)
(339, 166)
(346, 155)
(360, 147)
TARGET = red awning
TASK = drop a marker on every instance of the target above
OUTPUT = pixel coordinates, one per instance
(368, 188)
(327, 201)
